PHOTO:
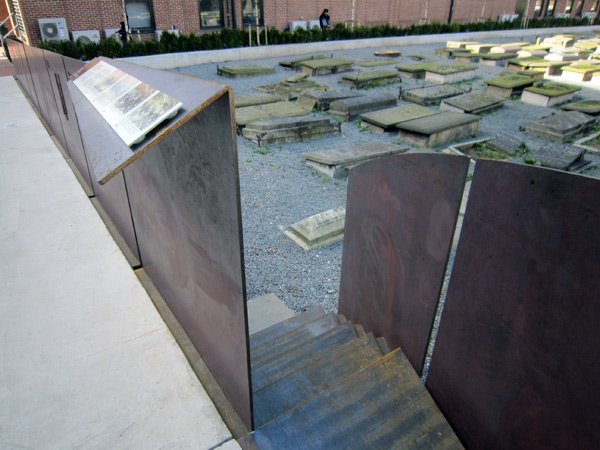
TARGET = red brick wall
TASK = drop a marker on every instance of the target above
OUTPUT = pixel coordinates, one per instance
(473, 10)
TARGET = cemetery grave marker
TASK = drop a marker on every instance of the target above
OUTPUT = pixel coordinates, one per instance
(548, 94)
(281, 130)
(449, 73)
(295, 63)
(243, 116)
(439, 129)
(591, 107)
(473, 103)
(245, 70)
(387, 119)
(559, 156)
(388, 53)
(561, 126)
(378, 62)
(579, 72)
(412, 70)
(326, 66)
(508, 85)
(590, 143)
(241, 101)
(321, 100)
(370, 78)
(431, 94)
(349, 108)
(317, 231)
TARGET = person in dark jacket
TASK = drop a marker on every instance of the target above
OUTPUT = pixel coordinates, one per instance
(123, 32)
(324, 20)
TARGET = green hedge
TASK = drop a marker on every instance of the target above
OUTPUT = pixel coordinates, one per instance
(230, 38)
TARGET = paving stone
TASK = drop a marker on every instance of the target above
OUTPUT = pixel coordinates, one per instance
(249, 114)
(473, 103)
(591, 107)
(561, 126)
(386, 119)
(326, 66)
(295, 63)
(324, 98)
(349, 108)
(506, 142)
(370, 78)
(317, 231)
(559, 156)
(336, 162)
(378, 62)
(508, 85)
(281, 130)
(431, 94)
(261, 98)
(548, 94)
(388, 53)
(246, 70)
(439, 129)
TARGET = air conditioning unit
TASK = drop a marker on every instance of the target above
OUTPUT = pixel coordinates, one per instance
(158, 33)
(111, 33)
(589, 15)
(507, 17)
(312, 24)
(87, 36)
(562, 16)
(54, 29)
(295, 24)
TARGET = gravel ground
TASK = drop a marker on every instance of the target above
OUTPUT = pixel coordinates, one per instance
(277, 189)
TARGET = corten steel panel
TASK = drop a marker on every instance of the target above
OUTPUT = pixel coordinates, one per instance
(400, 218)
(23, 74)
(37, 67)
(113, 195)
(55, 66)
(66, 111)
(515, 364)
(185, 202)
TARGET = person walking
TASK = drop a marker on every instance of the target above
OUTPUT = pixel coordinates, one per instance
(123, 32)
(324, 20)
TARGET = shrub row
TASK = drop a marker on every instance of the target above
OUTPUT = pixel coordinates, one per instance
(230, 38)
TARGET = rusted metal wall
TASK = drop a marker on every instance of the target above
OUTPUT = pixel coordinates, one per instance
(515, 364)
(400, 218)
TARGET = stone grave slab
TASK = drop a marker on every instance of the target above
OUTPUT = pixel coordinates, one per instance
(508, 85)
(587, 44)
(563, 57)
(439, 129)
(508, 48)
(370, 78)
(561, 126)
(317, 231)
(350, 108)
(507, 143)
(496, 59)
(579, 72)
(476, 149)
(388, 53)
(560, 156)
(268, 88)
(326, 66)
(480, 48)
(431, 94)
(539, 53)
(595, 79)
(467, 57)
(560, 41)
(548, 94)
(444, 52)
(297, 77)
(336, 162)
(538, 64)
(291, 91)
(387, 119)
(449, 73)
(460, 44)
(243, 116)
(378, 62)
(295, 63)
(473, 103)
(591, 143)
(261, 98)
(321, 100)
(412, 70)
(281, 130)
(245, 70)
(591, 107)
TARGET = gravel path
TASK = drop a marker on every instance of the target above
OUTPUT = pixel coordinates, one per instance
(277, 189)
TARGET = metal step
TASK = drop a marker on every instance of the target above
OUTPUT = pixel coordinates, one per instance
(298, 387)
(301, 355)
(384, 406)
(271, 349)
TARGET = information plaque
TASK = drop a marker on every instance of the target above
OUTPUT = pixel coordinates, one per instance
(132, 108)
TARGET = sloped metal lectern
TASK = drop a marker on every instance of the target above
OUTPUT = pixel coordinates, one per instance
(182, 187)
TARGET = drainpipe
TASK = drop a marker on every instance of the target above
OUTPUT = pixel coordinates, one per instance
(451, 11)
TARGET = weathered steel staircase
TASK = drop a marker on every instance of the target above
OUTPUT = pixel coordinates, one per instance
(320, 382)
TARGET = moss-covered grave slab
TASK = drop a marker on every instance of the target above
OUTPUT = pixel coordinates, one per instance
(449, 73)
(281, 130)
(321, 100)
(378, 62)
(513, 47)
(387, 119)
(350, 108)
(579, 72)
(477, 102)
(587, 44)
(243, 116)
(292, 87)
(431, 94)
(538, 53)
(295, 63)
(540, 64)
(326, 66)
(480, 48)
(559, 156)
(317, 231)
(370, 78)
(496, 59)
(336, 162)
(460, 44)
(439, 129)
(412, 70)
(262, 98)
(548, 94)
(591, 107)
(560, 40)
(508, 85)
(245, 70)
(388, 53)
(561, 126)
(467, 57)
(591, 143)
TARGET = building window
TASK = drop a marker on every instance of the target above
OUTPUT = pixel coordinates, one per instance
(569, 7)
(140, 16)
(594, 7)
(211, 13)
(251, 9)
(579, 8)
(537, 11)
(550, 7)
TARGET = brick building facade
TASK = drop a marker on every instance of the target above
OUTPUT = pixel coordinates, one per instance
(145, 16)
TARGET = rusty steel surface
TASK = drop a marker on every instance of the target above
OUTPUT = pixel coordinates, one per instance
(57, 78)
(113, 195)
(515, 365)
(69, 120)
(400, 219)
(23, 74)
(41, 82)
(186, 208)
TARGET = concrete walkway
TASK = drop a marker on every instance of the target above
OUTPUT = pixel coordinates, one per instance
(85, 359)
